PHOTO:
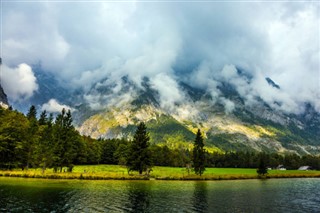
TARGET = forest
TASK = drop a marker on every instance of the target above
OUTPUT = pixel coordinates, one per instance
(46, 141)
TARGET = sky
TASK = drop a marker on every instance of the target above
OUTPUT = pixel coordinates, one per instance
(202, 43)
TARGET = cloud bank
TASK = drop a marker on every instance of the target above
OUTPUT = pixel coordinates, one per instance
(54, 106)
(201, 43)
(19, 83)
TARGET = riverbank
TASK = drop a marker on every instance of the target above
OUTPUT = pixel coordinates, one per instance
(115, 172)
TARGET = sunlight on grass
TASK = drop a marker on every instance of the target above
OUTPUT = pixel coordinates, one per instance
(96, 172)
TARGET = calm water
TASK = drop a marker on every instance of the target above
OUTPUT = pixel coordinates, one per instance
(281, 195)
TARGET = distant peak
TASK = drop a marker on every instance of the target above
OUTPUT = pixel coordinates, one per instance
(272, 83)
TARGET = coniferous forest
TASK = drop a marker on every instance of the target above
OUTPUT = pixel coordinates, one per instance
(52, 142)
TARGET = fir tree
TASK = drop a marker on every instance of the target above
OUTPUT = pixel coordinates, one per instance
(43, 118)
(139, 158)
(32, 113)
(44, 151)
(33, 137)
(199, 154)
(67, 141)
(262, 168)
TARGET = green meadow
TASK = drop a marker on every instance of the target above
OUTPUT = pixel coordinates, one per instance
(116, 172)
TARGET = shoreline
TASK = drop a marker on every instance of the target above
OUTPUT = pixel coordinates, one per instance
(82, 176)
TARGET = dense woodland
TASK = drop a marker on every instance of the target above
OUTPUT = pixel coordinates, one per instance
(44, 141)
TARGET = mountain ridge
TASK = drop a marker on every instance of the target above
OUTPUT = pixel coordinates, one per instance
(112, 108)
(256, 128)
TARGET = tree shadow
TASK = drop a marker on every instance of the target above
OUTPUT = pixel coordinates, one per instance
(138, 197)
(200, 197)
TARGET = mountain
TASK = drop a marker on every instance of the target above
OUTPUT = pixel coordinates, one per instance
(112, 108)
(3, 98)
(255, 128)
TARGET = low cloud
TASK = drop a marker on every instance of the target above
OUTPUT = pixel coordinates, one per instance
(251, 87)
(54, 106)
(19, 83)
(169, 91)
(204, 77)
(229, 105)
(109, 93)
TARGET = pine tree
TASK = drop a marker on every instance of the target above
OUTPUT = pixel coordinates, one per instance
(262, 168)
(33, 137)
(199, 154)
(44, 151)
(139, 158)
(43, 118)
(32, 113)
(67, 141)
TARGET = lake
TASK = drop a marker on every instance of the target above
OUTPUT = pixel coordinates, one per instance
(273, 195)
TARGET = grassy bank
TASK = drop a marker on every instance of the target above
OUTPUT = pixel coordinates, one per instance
(115, 172)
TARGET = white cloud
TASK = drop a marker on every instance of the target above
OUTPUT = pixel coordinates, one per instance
(169, 91)
(54, 106)
(204, 77)
(229, 106)
(31, 35)
(19, 83)
(118, 94)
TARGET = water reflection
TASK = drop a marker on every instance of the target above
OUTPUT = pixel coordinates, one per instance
(138, 197)
(200, 196)
(33, 199)
(282, 195)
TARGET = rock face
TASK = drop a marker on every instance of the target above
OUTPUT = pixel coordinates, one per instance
(3, 98)
(272, 83)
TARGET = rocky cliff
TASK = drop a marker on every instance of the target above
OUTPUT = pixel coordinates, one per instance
(3, 98)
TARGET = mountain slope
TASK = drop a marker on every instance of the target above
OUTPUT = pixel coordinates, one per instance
(256, 128)
(230, 119)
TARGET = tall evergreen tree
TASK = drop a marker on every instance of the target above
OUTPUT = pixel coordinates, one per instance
(139, 157)
(43, 118)
(67, 141)
(32, 113)
(199, 154)
(109, 148)
(44, 150)
(33, 137)
(262, 168)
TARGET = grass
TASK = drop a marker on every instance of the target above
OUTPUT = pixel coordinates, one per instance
(115, 172)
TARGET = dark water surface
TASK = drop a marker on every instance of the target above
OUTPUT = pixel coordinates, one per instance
(276, 195)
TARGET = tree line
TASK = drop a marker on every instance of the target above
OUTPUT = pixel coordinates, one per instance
(271, 160)
(45, 141)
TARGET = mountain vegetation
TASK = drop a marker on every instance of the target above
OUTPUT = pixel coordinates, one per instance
(30, 142)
